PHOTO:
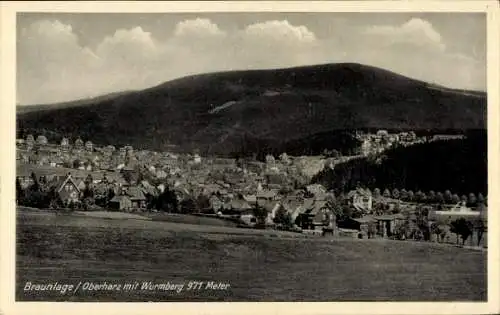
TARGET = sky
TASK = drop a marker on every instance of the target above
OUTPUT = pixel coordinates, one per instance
(68, 56)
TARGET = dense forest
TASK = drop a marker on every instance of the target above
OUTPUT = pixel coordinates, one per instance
(294, 110)
(340, 142)
(459, 165)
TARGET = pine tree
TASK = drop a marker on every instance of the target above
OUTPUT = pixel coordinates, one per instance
(480, 198)
(387, 193)
(472, 199)
(448, 197)
(395, 193)
(404, 194)
(432, 196)
(411, 195)
(440, 198)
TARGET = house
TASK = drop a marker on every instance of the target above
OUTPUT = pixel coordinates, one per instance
(366, 147)
(291, 203)
(215, 203)
(78, 143)
(41, 140)
(361, 199)
(276, 179)
(81, 184)
(56, 162)
(365, 226)
(251, 199)
(64, 144)
(130, 173)
(196, 159)
(120, 202)
(137, 197)
(89, 146)
(457, 212)
(315, 215)
(387, 223)
(248, 218)
(240, 205)
(148, 189)
(320, 212)
(266, 195)
(30, 140)
(109, 149)
(271, 207)
(161, 174)
(301, 215)
(129, 150)
(182, 193)
(67, 189)
(360, 224)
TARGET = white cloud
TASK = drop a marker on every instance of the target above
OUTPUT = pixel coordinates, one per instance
(417, 50)
(274, 44)
(124, 40)
(197, 28)
(54, 66)
(127, 57)
(279, 32)
(416, 32)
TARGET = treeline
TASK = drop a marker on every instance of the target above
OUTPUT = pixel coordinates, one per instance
(458, 165)
(337, 142)
(43, 195)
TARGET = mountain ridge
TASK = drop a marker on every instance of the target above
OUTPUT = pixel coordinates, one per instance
(230, 112)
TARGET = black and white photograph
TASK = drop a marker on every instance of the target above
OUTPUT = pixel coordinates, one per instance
(251, 156)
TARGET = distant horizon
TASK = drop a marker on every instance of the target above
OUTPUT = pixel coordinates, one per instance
(63, 57)
(239, 70)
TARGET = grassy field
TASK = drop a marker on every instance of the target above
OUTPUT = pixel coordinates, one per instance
(257, 267)
(188, 219)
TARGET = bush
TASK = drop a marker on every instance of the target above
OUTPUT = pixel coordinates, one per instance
(463, 228)
(283, 219)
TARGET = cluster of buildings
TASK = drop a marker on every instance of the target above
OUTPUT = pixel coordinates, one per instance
(376, 143)
(233, 188)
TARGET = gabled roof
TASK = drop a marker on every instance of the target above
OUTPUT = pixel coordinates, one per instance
(128, 168)
(267, 194)
(359, 191)
(240, 204)
(101, 188)
(291, 204)
(365, 219)
(250, 198)
(318, 205)
(305, 207)
(389, 216)
(147, 188)
(308, 203)
(214, 198)
(270, 205)
(59, 184)
(81, 184)
(316, 189)
(181, 190)
(135, 193)
(119, 198)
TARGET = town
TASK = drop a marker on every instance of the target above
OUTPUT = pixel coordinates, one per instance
(273, 194)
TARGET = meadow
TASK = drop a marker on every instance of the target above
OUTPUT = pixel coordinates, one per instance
(258, 265)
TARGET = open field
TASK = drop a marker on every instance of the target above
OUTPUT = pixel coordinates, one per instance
(189, 219)
(73, 249)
